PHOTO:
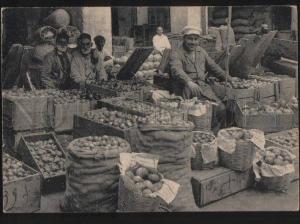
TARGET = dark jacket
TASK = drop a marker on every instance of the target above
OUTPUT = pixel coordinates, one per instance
(53, 74)
(184, 69)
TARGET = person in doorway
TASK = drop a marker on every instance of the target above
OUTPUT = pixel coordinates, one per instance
(86, 64)
(160, 41)
(104, 54)
(189, 65)
(56, 65)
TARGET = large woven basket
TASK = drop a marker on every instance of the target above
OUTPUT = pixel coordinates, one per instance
(241, 159)
(278, 183)
(197, 162)
(132, 200)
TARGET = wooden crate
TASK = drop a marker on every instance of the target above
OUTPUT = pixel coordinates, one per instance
(265, 122)
(25, 113)
(216, 184)
(23, 194)
(85, 127)
(12, 138)
(247, 95)
(61, 115)
(287, 88)
(49, 184)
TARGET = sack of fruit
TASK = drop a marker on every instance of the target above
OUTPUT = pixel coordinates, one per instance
(171, 140)
(237, 147)
(205, 151)
(92, 173)
(274, 168)
(141, 187)
(45, 34)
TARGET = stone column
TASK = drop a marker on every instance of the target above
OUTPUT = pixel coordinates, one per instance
(188, 16)
(97, 21)
(142, 15)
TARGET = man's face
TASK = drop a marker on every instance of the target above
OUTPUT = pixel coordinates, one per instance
(191, 41)
(159, 31)
(62, 45)
(85, 46)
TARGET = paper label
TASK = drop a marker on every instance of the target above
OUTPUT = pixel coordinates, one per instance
(209, 153)
(168, 191)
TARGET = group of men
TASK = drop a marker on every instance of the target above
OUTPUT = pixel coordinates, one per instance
(66, 68)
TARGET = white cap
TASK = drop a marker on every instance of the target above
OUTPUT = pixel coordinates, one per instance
(188, 30)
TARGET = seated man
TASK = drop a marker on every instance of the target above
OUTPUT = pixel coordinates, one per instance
(188, 66)
(56, 65)
(86, 64)
(106, 57)
(161, 41)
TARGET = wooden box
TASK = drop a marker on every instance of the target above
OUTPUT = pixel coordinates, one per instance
(49, 184)
(265, 122)
(85, 127)
(287, 88)
(61, 115)
(213, 185)
(23, 114)
(12, 138)
(22, 195)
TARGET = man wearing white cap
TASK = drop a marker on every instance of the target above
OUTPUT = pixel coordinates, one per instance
(189, 65)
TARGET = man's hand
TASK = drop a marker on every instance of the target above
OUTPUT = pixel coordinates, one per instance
(195, 89)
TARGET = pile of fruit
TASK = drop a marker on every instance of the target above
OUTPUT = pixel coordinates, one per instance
(165, 118)
(147, 181)
(276, 156)
(113, 118)
(68, 96)
(135, 105)
(149, 67)
(280, 107)
(13, 169)
(119, 62)
(48, 156)
(201, 138)
(21, 93)
(237, 134)
(288, 139)
(122, 86)
(99, 143)
(237, 83)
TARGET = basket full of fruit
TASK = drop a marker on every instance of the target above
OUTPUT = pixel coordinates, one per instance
(141, 187)
(273, 170)
(237, 147)
(205, 150)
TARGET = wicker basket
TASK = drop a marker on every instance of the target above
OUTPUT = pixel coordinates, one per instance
(278, 183)
(241, 159)
(132, 200)
(197, 162)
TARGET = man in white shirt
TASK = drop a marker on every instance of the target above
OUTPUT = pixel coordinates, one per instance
(161, 41)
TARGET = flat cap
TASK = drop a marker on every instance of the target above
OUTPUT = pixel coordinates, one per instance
(188, 30)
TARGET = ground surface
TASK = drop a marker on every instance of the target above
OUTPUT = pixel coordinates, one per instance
(247, 200)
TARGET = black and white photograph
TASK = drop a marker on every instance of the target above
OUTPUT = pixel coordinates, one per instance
(133, 109)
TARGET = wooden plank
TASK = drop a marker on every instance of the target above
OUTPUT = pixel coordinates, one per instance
(23, 195)
(204, 19)
(216, 184)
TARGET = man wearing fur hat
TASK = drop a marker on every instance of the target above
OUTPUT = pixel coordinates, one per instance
(189, 65)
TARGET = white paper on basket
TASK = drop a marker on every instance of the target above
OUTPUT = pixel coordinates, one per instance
(168, 190)
(258, 138)
(226, 144)
(198, 110)
(209, 154)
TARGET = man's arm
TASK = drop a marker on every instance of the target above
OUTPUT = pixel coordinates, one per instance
(75, 70)
(176, 68)
(168, 45)
(213, 67)
(46, 80)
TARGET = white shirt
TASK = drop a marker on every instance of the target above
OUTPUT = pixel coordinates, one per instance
(161, 42)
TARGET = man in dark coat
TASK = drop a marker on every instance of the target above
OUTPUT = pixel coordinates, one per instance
(56, 66)
(189, 66)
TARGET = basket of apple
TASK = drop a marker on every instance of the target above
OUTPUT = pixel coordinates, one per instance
(273, 170)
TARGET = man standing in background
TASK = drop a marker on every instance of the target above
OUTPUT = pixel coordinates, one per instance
(56, 65)
(86, 64)
(161, 41)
